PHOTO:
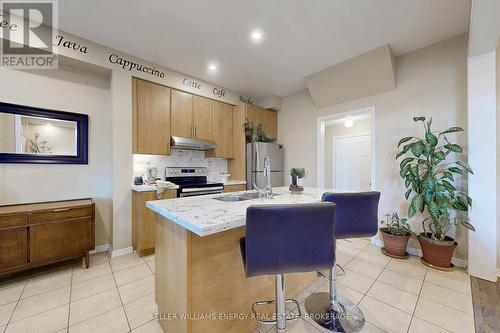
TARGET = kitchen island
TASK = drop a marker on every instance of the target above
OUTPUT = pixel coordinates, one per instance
(200, 281)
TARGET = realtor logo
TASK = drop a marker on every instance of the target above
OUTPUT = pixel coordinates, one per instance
(27, 30)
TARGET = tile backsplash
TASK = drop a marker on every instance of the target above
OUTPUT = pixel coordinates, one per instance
(181, 158)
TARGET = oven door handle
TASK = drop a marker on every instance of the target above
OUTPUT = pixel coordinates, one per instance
(202, 189)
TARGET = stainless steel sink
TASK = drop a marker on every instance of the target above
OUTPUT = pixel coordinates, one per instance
(233, 198)
(241, 197)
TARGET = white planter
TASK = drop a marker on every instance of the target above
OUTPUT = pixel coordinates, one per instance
(300, 182)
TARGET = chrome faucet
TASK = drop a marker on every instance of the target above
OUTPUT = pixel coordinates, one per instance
(267, 173)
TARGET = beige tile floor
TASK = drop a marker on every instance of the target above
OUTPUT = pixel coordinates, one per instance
(117, 295)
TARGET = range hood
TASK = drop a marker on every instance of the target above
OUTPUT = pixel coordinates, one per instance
(179, 142)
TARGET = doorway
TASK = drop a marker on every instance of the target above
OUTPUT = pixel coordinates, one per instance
(346, 148)
(351, 163)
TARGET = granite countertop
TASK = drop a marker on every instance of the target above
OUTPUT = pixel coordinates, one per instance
(204, 215)
(149, 187)
(235, 182)
(152, 187)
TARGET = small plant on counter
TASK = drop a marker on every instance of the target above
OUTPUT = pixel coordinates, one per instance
(298, 175)
(255, 132)
(431, 180)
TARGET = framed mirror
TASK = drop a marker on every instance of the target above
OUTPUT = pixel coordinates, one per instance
(34, 135)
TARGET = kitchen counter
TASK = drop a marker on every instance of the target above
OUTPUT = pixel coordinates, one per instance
(204, 215)
(199, 269)
(149, 187)
(235, 182)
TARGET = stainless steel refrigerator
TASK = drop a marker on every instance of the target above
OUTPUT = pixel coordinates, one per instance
(256, 153)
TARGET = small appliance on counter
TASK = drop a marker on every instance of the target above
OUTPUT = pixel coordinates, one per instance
(151, 174)
(138, 180)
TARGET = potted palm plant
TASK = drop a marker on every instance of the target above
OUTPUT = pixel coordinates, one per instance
(395, 235)
(430, 183)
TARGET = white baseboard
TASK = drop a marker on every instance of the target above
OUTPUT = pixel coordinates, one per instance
(418, 252)
(122, 252)
(101, 248)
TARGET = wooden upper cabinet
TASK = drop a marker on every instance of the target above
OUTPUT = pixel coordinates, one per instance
(151, 118)
(203, 118)
(223, 130)
(182, 114)
(267, 118)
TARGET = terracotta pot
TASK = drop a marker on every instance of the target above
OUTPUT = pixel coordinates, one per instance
(435, 252)
(394, 245)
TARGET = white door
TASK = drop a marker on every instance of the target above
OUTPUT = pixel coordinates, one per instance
(352, 163)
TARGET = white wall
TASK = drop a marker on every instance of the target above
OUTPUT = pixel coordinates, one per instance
(58, 90)
(430, 82)
(498, 155)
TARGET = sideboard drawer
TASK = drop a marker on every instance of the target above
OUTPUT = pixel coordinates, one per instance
(61, 214)
(12, 220)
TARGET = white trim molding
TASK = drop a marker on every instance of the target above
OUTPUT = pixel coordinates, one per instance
(101, 248)
(122, 252)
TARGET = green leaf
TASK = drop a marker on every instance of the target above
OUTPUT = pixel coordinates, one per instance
(466, 167)
(407, 194)
(439, 155)
(433, 210)
(431, 139)
(448, 185)
(455, 170)
(452, 130)
(448, 175)
(459, 205)
(418, 118)
(429, 183)
(403, 140)
(418, 203)
(417, 148)
(404, 170)
(411, 211)
(401, 153)
(454, 148)
(468, 225)
(405, 162)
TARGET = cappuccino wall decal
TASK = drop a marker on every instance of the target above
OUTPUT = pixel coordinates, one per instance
(130, 65)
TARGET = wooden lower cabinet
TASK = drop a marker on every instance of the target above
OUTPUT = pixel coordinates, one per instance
(235, 188)
(143, 220)
(13, 248)
(32, 235)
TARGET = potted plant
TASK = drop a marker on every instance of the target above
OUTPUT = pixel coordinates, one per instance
(395, 235)
(298, 175)
(430, 183)
(255, 132)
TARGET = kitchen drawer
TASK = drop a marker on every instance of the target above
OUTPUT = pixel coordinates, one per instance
(12, 220)
(61, 214)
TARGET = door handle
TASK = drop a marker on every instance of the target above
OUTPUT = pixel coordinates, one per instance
(61, 210)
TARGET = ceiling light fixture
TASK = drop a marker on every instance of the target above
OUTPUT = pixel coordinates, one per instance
(212, 67)
(256, 35)
(348, 123)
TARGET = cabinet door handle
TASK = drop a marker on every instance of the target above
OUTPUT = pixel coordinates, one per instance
(195, 132)
(61, 210)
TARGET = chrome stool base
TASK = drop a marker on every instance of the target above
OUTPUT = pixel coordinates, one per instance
(288, 318)
(341, 316)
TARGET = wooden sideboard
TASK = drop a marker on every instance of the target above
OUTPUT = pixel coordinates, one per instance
(38, 234)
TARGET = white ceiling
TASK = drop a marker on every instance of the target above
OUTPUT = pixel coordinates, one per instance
(300, 36)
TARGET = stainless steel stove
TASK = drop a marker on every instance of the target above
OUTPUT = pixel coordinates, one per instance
(192, 181)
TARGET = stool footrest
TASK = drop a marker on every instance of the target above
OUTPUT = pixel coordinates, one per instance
(274, 321)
